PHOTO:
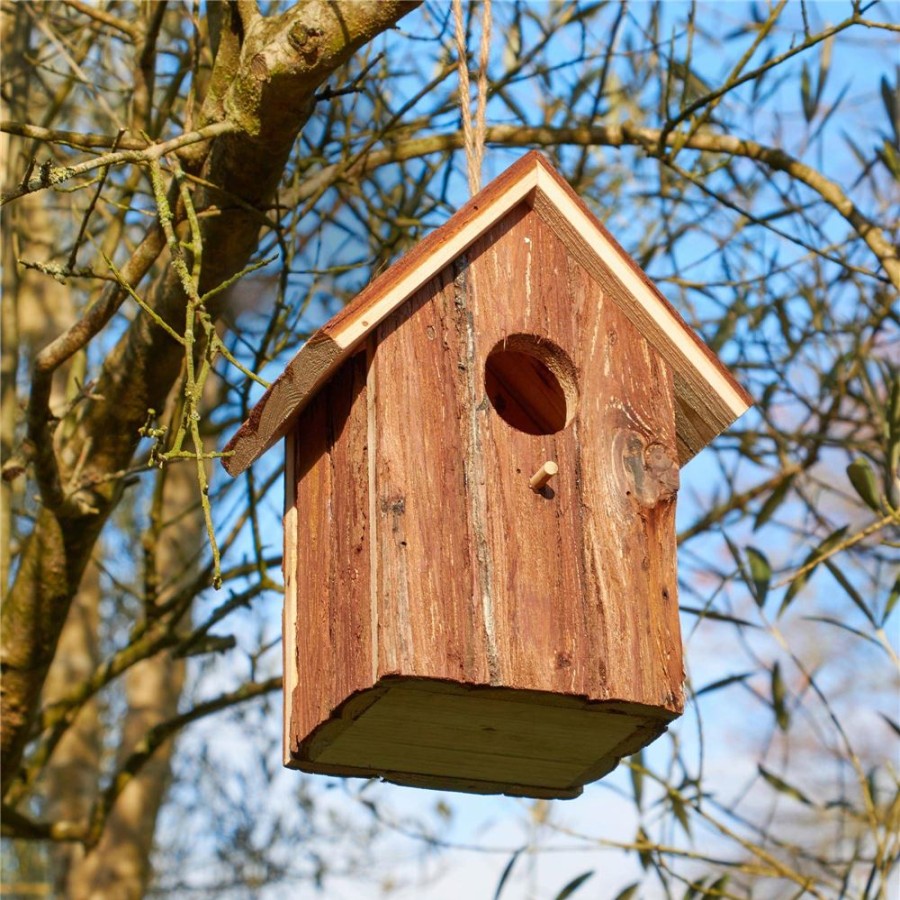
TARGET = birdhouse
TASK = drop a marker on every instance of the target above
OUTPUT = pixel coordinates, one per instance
(482, 459)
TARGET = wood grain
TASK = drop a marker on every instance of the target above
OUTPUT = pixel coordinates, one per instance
(455, 628)
(430, 614)
(440, 735)
(333, 613)
(291, 539)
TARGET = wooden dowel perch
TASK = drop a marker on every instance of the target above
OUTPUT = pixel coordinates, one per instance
(540, 478)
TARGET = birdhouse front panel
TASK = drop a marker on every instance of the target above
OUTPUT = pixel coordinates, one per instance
(425, 555)
(482, 462)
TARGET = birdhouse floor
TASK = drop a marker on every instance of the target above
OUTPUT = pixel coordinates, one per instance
(480, 739)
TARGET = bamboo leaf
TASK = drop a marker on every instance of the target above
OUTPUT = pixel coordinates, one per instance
(852, 593)
(782, 716)
(760, 575)
(722, 683)
(680, 810)
(717, 888)
(829, 620)
(573, 885)
(810, 564)
(507, 870)
(807, 100)
(891, 722)
(637, 777)
(717, 616)
(644, 855)
(863, 480)
(773, 501)
(891, 601)
(629, 892)
(783, 787)
(890, 157)
(694, 889)
(891, 97)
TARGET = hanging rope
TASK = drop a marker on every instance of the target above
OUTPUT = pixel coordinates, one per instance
(473, 136)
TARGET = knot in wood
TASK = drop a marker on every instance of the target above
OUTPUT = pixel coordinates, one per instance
(302, 38)
(651, 471)
(259, 67)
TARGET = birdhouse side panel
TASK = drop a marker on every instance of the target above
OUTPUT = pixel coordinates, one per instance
(333, 627)
(428, 595)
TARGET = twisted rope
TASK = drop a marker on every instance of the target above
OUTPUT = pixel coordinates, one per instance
(473, 136)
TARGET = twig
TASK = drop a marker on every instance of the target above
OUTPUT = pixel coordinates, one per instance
(78, 140)
(624, 135)
(105, 18)
(851, 541)
(56, 175)
(157, 736)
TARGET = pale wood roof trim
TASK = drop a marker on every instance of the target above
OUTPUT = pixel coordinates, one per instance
(709, 399)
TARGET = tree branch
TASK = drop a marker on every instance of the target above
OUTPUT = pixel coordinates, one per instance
(648, 139)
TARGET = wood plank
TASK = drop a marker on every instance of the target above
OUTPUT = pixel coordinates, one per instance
(628, 481)
(705, 385)
(429, 610)
(333, 616)
(536, 583)
(456, 737)
(289, 576)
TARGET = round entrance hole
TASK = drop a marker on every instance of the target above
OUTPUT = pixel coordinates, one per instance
(531, 384)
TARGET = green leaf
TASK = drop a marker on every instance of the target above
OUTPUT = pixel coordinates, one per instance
(573, 885)
(717, 888)
(863, 480)
(893, 448)
(824, 548)
(637, 777)
(773, 501)
(644, 855)
(891, 97)
(629, 892)
(891, 722)
(716, 616)
(782, 716)
(506, 872)
(829, 620)
(694, 889)
(891, 601)
(680, 810)
(760, 575)
(722, 682)
(890, 157)
(806, 98)
(852, 593)
(783, 787)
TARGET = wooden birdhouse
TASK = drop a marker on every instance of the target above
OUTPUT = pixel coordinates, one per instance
(482, 459)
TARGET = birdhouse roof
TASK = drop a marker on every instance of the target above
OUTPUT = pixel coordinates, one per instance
(708, 399)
